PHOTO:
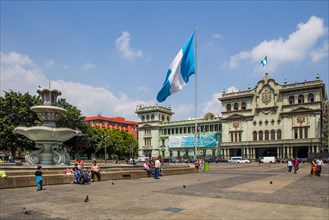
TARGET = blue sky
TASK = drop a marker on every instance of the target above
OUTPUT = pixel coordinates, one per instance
(109, 56)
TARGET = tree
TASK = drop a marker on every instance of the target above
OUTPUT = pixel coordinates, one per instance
(15, 111)
(73, 119)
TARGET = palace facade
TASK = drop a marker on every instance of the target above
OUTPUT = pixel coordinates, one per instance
(159, 135)
(285, 121)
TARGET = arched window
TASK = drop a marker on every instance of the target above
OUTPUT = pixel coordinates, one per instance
(143, 118)
(260, 135)
(291, 100)
(243, 105)
(254, 136)
(267, 134)
(147, 118)
(236, 106)
(300, 99)
(228, 107)
(162, 118)
(152, 117)
(310, 97)
(279, 134)
(272, 135)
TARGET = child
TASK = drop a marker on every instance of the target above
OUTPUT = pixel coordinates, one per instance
(38, 175)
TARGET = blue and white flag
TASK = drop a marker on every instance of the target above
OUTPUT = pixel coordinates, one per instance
(181, 68)
(264, 61)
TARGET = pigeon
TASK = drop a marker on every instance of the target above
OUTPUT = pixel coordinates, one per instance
(87, 199)
(27, 212)
(112, 183)
(270, 182)
(184, 186)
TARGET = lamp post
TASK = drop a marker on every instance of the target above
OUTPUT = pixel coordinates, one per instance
(105, 137)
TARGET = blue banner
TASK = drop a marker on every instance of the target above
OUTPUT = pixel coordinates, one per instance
(205, 140)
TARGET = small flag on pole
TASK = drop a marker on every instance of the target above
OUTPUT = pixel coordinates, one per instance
(264, 61)
(180, 69)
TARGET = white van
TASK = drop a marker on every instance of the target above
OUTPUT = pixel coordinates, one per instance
(238, 160)
(267, 159)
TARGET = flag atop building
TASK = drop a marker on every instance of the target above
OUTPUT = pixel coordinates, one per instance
(264, 61)
(180, 69)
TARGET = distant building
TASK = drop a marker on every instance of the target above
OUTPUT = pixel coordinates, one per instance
(285, 121)
(159, 135)
(117, 123)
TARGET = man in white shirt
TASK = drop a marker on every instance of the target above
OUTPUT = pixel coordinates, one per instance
(157, 166)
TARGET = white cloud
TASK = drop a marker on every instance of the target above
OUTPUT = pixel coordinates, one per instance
(123, 45)
(217, 36)
(320, 53)
(296, 48)
(214, 105)
(50, 63)
(19, 73)
(142, 89)
(87, 66)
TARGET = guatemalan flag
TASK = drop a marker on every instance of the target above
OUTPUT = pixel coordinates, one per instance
(264, 61)
(181, 68)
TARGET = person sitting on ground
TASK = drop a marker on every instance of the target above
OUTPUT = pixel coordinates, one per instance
(95, 169)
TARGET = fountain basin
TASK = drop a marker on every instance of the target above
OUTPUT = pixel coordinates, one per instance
(44, 133)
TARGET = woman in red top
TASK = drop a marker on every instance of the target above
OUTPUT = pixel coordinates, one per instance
(313, 167)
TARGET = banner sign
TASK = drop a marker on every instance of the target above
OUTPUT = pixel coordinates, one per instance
(206, 140)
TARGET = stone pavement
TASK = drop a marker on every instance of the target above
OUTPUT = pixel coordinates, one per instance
(226, 191)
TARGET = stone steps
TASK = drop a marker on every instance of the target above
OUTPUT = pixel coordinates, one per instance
(26, 178)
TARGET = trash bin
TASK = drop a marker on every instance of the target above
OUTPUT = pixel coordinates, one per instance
(206, 166)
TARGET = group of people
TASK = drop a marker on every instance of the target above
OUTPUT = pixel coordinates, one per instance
(293, 163)
(316, 166)
(153, 169)
(82, 175)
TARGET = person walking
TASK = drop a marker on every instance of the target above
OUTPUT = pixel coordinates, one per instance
(157, 167)
(313, 167)
(95, 170)
(38, 177)
(319, 164)
(289, 165)
(296, 164)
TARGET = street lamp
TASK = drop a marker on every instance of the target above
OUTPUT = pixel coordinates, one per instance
(105, 137)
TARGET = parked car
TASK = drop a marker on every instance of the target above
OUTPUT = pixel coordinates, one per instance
(238, 160)
(210, 159)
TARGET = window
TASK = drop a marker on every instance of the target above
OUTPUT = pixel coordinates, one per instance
(236, 136)
(240, 136)
(162, 118)
(310, 97)
(143, 118)
(291, 100)
(236, 106)
(254, 136)
(260, 123)
(254, 123)
(228, 107)
(296, 133)
(279, 134)
(152, 117)
(267, 135)
(232, 137)
(260, 135)
(300, 99)
(244, 106)
(305, 133)
(300, 133)
(266, 122)
(272, 134)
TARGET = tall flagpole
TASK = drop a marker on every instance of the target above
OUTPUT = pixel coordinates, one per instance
(195, 96)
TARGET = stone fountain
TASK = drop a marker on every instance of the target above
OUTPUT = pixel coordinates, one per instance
(48, 138)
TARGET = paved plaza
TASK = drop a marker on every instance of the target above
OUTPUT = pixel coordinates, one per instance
(226, 191)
